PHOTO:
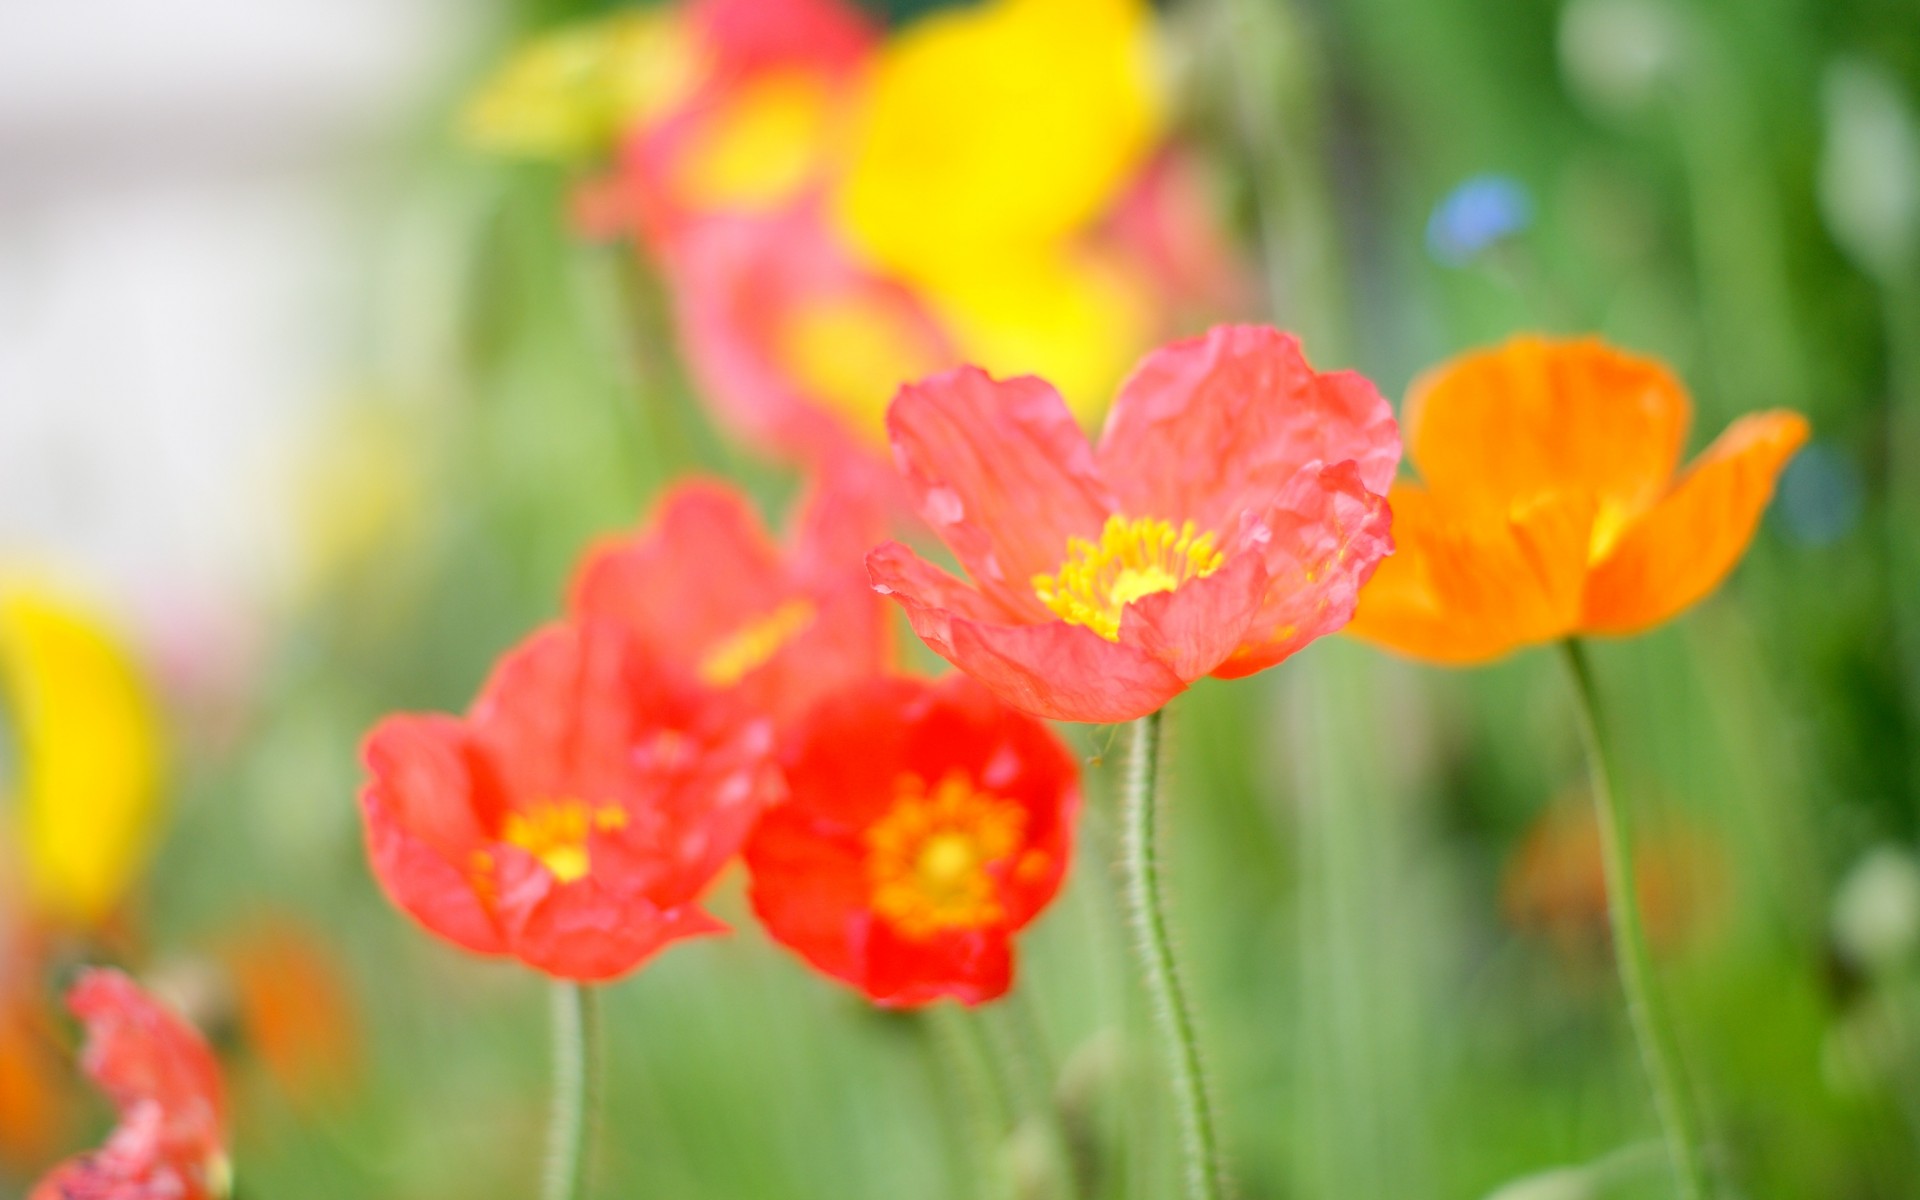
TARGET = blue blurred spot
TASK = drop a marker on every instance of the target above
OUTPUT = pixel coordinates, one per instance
(1483, 210)
(1820, 495)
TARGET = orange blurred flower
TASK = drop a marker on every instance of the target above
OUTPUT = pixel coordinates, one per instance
(296, 1009)
(1549, 504)
(35, 1107)
(1555, 883)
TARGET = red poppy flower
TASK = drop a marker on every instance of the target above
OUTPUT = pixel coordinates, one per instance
(166, 1084)
(1228, 516)
(796, 344)
(925, 824)
(574, 817)
(706, 590)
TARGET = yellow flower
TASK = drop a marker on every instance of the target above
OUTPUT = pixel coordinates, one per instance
(1077, 319)
(568, 95)
(1005, 127)
(87, 742)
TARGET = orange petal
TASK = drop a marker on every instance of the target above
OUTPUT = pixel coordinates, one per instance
(1463, 589)
(1532, 416)
(1680, 549)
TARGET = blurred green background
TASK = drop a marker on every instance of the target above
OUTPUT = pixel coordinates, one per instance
(1397, 1001)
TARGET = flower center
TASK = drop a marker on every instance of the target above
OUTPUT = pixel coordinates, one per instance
(1133, 558)
(555, 832)
(729, 660)
(930, 859)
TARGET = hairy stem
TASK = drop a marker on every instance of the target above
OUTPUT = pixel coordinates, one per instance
(1140, 857)
(576, 1089)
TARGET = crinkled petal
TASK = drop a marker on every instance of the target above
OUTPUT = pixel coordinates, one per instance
(1214, 426)
(587, 930)
(1460, 589)
(1536, 415)
(1682, 548)
(1063, 672)
(1194, 627)
(1002, 473)
(1322, 540)
(930, 596)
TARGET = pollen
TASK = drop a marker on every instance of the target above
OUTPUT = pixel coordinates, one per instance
(556, 833)
(936, 860)
(1133, 558)
(730, 659)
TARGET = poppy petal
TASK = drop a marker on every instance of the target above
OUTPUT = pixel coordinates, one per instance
(1463, 591)
(425, 885)
(930, 596)
(1194, 627)
(1063, 672)
(586, 930)
(1321, 540)
(1538, 415)
(1002, 473)
(1212, 426)
(1682, 548)
(973, 967)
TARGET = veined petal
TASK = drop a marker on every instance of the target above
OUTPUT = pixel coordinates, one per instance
(1213, 426)
(1321, 540)
(1063, 672)
(1002, 473)
(1535, 415)
(1463, 589)
(1194, 627)
(1680, 550)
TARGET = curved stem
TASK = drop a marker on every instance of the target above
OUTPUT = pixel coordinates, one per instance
(1659, 1055)
(576, 1089)
(1139, 818)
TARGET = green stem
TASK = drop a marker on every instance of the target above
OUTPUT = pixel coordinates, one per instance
(1659, 1055)
(965, 1066)
(1140, 860)
(576, 1089)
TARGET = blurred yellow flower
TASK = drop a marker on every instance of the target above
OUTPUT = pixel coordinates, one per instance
(762, 145)
(1078, 319)
(88, 745)
(990, 131)
(569, 94)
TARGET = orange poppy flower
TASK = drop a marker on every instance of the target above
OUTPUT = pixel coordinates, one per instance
(1549, 506)
(926, 824)
(1228, 516)
(574, 818)
(705, 589)
(165, 1082)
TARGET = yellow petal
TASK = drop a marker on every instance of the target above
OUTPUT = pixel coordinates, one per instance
(87, 739)
(1684, 546)
(1009, 123)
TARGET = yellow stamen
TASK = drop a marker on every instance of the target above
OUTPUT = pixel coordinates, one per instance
(1133, 558)
(930, 858)
(729, 660)
(555, 832)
